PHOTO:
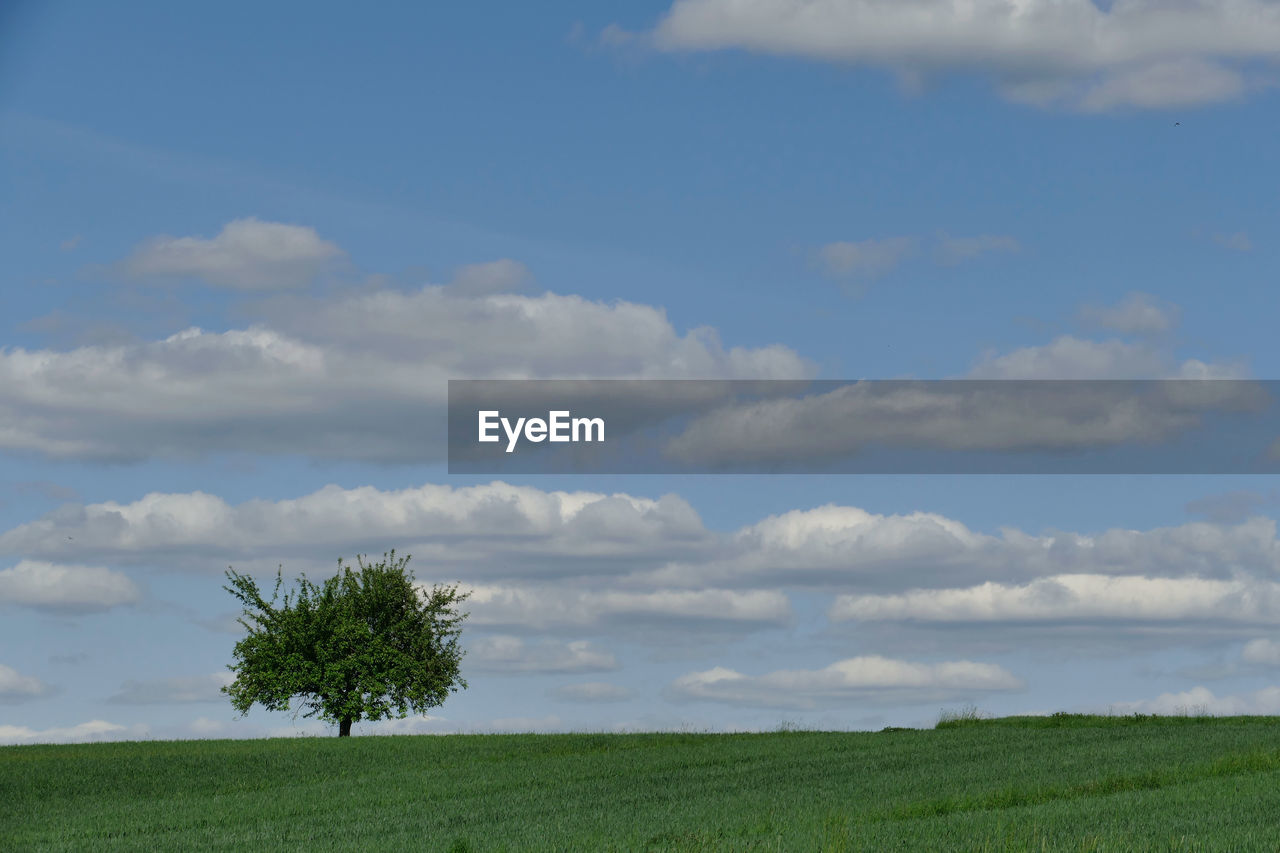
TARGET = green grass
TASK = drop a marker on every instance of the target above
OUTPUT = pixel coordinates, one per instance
(1064, 782)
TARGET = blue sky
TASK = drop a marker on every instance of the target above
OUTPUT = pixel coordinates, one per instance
(246, 246)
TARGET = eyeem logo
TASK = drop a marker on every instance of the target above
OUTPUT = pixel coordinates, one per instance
(558, 426)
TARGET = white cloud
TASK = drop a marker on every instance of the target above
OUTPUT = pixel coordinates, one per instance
(1178, 83)
(1134, 53)
(521, 725)
(94, 730)
(490, 529)
(867, 259)
(837, 546)
(557, 607)
(831, 426)
(1201, 700)
(1262, 651)
(247, 254)
(1232, 507)
(513, 336)
(514, 655)
(501, 276)
(1238, 242)
(613, 35)
(16, 687)
(1069, 357)
(1117, 601)
(867, 678)
(362, 376)
(413, 724)
(1136, 314)
(181, 689)
(66, 588)
(954, 250)
(593, 691)
(204, 727)
(47, 490)
(70, 659)
(627, 554)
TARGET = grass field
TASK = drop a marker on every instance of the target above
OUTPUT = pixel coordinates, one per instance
(1058, 783)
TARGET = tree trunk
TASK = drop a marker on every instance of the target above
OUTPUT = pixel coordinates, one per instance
(344, 728)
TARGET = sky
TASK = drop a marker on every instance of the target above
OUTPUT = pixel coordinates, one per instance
(246, 246)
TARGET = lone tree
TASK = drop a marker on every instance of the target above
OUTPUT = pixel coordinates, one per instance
(365, 644)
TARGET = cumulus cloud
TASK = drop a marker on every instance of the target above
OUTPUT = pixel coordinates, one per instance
(1074, 53)
(1262, 651)
(836, 545)
(867, 259)
(1178, 83)
(46, 490)
(1069, 357)
(859, 679)
(1238, 242)
(247, 254)
(360, 376)
(413, 724)
(1201, 700)
(1231, 507)
(94, 730)
(204, 727)
(70, 659)
(521, 725)
(501, 276)
(513, 336)
(1118, 601)
(955, 250)
(637, 555)
(16, 687)
(593, 691)
(542, 608)
(506, 654)
(829, 427)
(1136, 314)
(490, 529)
(66, 588)
(829, 423)
(177, 690)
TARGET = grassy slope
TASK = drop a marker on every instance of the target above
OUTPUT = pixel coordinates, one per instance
(1063, 782)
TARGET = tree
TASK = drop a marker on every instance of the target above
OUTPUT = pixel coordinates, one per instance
(362, 646)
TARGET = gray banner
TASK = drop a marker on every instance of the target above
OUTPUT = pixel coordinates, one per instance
(1174, 426)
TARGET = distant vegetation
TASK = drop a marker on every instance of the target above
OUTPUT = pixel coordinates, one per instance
(1061, 782)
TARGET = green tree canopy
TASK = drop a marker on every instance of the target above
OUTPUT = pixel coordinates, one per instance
(363, 646)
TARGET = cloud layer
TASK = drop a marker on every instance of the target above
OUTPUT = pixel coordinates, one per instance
(1116, 602)
(66, 588)
(358, 375)
(522, 527)
(1129, 53)
(16, 687)
(180, 690)
(1029, 423)
(868, 678)
(247, 254)
(506, 654)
